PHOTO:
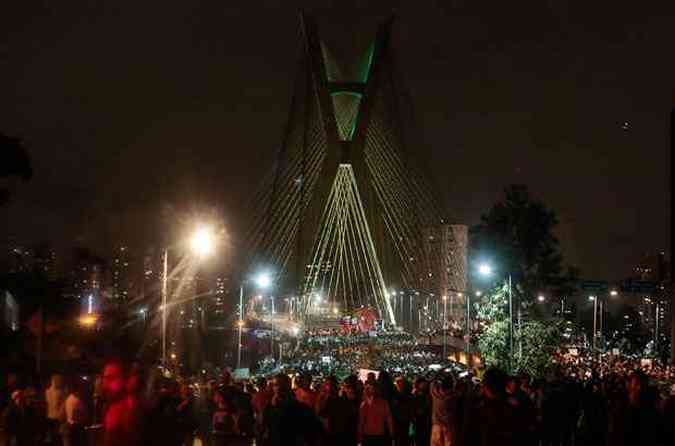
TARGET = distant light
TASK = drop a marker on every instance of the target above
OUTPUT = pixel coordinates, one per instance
(295, 330)
(240, 324)
(541, 298)
(335, 310)
(263, 280)
(478, 294)
(201, 242)
(445, 298)
(591, 298)
(88, 320)
(173, 356)
(485, 269)
(460, 294)
(142, 310)
(614, 293)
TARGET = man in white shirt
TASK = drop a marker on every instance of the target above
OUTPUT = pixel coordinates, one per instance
(76, 414)
(55, 396)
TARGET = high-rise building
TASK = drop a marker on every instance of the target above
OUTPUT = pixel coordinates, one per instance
(38, 258)
(86, 280)
(219, 295)
(121, 274)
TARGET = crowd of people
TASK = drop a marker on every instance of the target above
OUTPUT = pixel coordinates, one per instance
(328, 352)
(132, 405)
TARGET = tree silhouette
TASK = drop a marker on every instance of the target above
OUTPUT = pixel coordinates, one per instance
(517, 234)
(14, 162)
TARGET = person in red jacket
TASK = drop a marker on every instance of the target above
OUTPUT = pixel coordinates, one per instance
(376, 425)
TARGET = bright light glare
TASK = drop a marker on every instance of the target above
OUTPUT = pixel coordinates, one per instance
(88, 320)
(591, 298)
(295, 330)
(485, 269)
(201, 242)
(263, 280)
(541, 298)
(478, 293)
(445, 298)
(614, 293)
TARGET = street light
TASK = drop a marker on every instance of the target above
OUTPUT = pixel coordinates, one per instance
(486, 270)
(263, 281)
(445, 326)
(541, 298)
(201, 244)
(595, 319)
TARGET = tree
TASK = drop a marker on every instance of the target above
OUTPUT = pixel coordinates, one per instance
(534, 341)
(518, 234)
(14, 162)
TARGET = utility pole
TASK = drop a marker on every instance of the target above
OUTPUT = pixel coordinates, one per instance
(672, 238)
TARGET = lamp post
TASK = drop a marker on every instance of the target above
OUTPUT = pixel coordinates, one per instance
(595, 319)
(201, 245)
(486, 271)
(263, 281)
(445, 327)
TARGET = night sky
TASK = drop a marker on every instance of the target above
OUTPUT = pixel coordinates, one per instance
(129, 107)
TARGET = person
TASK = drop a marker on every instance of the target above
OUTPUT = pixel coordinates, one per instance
(443, 412)
(261, 398)
(122, 419)
(73, 432)
(376, 425)
(422, 414)
(523, 410)
(55, 397)
(489, 420)
(633, 417)
(328, 409)
(304, 394)
(346, 424)
(403, 411)
(285, 420)
(185, 415)
(19, 421)
(240, 401)
(225, 423)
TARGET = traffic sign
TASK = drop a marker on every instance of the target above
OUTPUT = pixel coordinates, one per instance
(639, 286)
(597, 286)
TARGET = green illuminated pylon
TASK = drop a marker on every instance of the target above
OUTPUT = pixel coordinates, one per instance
(346, 109)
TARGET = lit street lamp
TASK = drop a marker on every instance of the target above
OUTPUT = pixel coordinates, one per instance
(201, 244)
(445, 327)
(486, 271)
(263, 281)
(595, 319)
